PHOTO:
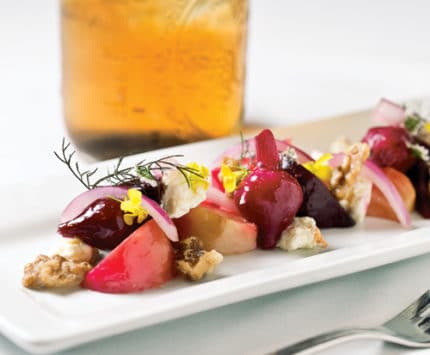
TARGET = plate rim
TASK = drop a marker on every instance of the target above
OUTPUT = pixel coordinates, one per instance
(346, 261)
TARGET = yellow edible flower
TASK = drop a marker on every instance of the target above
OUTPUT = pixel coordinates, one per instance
(228, 178)
(132, 207)
(427, 127)
(231, 177)
(198, 177)
(320, 167)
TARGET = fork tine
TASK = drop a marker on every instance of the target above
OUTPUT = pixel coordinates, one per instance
(410, 328)
(423, 304)
(416, 311)
(424, 312)
(424, 324)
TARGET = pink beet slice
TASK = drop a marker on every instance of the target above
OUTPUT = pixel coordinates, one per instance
(144, 260)
(226, 232)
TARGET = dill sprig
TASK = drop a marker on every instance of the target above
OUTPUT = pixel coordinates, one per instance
(66, 157)
(122, 175)
(244, 147)
(144, 169)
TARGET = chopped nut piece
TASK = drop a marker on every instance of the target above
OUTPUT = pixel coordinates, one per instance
(75, 250)
(346, 184)
(345, 175)
(193, 261)
(54, 272)
(231, 162)
(302, 233)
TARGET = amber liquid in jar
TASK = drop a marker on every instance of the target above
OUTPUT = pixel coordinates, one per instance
(145, 74)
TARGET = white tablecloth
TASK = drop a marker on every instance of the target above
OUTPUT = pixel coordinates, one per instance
(306, 60)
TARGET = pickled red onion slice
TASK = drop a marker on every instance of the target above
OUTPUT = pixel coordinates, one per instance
(389, 113)
(376, 175)
(215, 180)
(80, 202)
(236, 150)
(161, 217)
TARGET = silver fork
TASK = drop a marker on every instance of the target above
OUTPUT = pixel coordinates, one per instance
(410, 328)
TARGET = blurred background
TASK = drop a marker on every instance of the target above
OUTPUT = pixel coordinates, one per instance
(306, 60)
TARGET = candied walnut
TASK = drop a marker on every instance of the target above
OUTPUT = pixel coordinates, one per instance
(302, 233)
(193, 261)
(231, 162)
(54, 272)
(346, 175)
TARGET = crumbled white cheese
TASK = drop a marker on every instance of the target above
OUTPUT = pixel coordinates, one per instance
(316, 154)
(178, 197)
(74, 249)
(340, 145)
(150, 182)
(361, 194)
(290, 153)
(420, 107)
(302, 233)
(419, 150)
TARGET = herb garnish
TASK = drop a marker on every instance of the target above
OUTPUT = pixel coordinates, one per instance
(243, 146)
(119, 175)
(412, 123)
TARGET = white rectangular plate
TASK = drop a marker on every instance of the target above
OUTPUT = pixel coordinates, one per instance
(44, 322)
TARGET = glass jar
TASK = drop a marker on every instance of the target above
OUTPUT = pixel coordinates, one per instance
(145, 74)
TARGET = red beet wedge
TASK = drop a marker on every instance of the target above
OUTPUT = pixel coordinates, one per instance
(388, 147)
(420, 177)
(318, 201)
(268, 196)
(266, 149)
(100, 225)
(144, 260)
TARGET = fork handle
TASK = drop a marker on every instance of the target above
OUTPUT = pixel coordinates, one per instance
(325, 340)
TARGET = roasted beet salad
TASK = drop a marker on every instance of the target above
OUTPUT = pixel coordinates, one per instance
(138, 227)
